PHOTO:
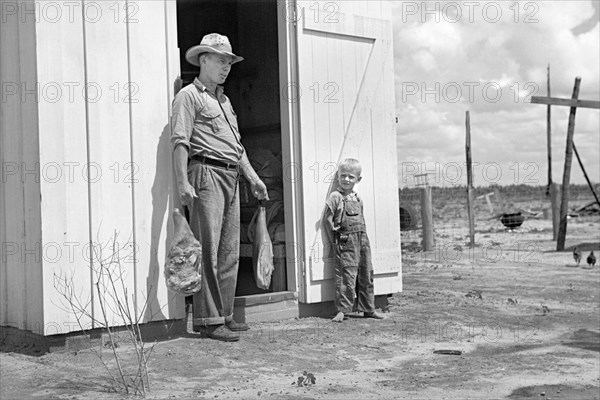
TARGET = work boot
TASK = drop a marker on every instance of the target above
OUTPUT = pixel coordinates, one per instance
(373, 314)
(220, 332)
(237, 326)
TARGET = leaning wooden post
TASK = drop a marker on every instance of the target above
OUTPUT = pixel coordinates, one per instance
(427, 218)
(470, 182)
(564, 204)
(573, 102)
(555, 204)
(587, 178)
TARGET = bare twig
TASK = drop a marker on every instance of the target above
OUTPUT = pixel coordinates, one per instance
(115, 301)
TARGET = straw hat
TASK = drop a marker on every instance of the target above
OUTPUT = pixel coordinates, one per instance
(211, 43)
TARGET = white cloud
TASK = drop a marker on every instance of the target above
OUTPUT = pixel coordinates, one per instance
(489, 62)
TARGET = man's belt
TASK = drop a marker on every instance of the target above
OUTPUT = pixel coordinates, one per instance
(216, 163)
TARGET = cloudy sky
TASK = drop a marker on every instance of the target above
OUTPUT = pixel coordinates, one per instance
(488, 57)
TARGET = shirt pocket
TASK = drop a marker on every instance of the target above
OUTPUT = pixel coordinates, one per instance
(209, 120)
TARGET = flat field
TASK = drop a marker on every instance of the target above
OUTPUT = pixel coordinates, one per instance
(519, 320)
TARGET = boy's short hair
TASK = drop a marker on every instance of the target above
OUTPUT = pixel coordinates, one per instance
(351, 164)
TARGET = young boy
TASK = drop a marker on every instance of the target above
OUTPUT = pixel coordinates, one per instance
(347, 232)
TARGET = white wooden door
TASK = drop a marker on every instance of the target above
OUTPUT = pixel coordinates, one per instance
(346, 109)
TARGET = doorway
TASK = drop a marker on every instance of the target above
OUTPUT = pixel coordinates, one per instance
(253, 88)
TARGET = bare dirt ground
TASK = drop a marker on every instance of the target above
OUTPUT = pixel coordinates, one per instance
(525, 319)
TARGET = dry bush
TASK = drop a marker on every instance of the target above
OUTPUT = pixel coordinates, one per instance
(115, 301)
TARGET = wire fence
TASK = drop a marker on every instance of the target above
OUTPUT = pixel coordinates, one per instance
(495, 208)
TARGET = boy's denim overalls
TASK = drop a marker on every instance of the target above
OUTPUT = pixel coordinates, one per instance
(353, 260)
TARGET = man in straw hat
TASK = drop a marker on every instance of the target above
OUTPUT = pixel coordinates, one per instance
(208, 158)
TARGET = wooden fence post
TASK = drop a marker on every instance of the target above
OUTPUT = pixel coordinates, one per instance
(427, 218)
(470, 182)
(555, 208)
(549, 136)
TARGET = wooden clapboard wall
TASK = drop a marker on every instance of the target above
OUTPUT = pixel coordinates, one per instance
(110, 145)
(20, 237)
(346, 78)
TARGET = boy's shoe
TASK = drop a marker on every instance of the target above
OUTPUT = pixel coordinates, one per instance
(237, 326)
(373, 314)
(219, 332)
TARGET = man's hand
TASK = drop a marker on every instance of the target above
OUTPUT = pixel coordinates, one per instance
(259, 190)
(186, 193)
